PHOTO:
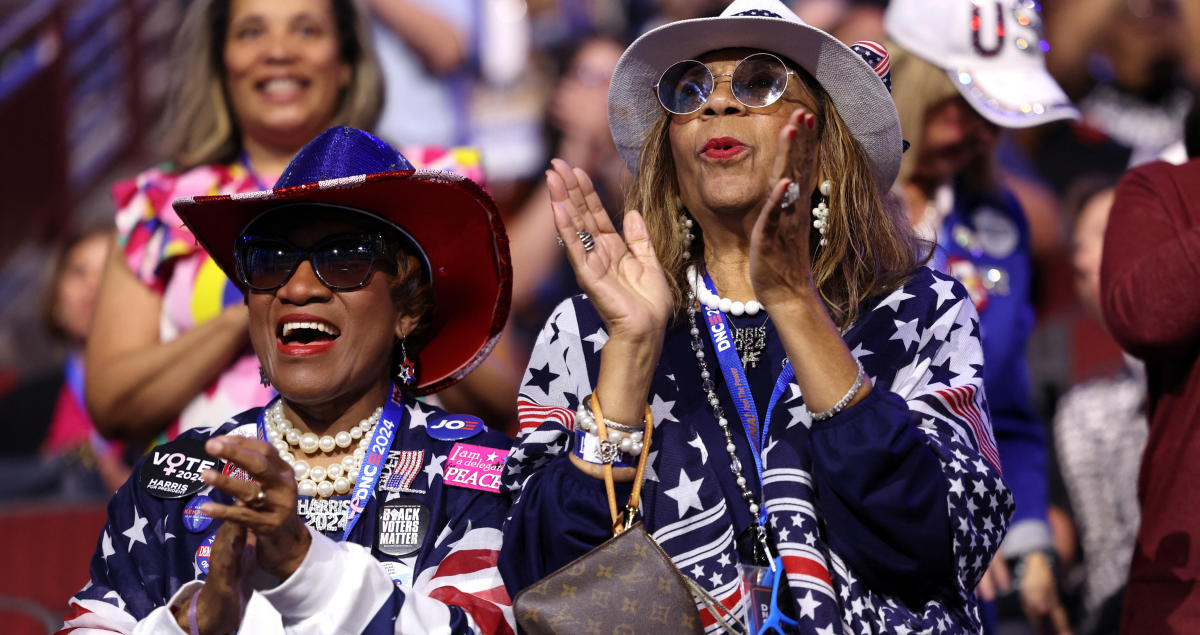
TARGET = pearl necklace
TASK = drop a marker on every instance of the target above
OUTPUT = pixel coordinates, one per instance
(318, 481)
(714, 301)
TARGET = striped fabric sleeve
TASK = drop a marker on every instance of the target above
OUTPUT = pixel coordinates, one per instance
(358, 596)
(557, 378)
(125, 592)
(942, 385)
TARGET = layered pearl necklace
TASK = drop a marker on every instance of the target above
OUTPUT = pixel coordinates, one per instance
(321, 482)
(713, 301)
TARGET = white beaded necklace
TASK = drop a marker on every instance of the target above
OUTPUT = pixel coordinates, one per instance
(713, 301)
(321, 482)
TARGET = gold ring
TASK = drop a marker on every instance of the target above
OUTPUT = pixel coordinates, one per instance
(258, 500)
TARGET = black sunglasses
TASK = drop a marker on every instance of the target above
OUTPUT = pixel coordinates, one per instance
(342, 262)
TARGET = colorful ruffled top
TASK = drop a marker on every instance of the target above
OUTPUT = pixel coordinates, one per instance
(163, 254)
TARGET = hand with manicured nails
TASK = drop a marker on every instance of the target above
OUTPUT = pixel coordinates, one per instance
(780, 263)
(282, 539)
(621, 276)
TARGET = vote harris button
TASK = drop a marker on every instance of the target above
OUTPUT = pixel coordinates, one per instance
(172, 470)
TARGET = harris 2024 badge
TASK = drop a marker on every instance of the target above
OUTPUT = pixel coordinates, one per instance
(173, 469)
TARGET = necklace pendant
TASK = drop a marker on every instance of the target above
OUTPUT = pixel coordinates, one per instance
(750, 343)
(750, 359)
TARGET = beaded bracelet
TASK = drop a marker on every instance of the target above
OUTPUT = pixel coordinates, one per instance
(623, 441)
(839, 406)
(589, 448)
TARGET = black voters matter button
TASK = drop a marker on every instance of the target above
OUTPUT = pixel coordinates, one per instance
(173, 469)
(401, 527)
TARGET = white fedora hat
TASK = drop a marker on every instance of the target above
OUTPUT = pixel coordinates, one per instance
(993, 52)
(858, 91)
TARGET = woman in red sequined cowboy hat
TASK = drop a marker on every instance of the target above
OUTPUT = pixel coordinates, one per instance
(345, 504)
(815, 390)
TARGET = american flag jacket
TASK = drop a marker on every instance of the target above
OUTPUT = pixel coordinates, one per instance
(146, 559)
(886, 515)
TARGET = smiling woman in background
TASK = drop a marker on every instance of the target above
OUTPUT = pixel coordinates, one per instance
(254, 81)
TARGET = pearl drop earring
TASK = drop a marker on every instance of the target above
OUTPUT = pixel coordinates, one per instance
(821, 211)
(685, 224)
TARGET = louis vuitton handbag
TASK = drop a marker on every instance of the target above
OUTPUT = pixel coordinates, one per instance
(626, 585)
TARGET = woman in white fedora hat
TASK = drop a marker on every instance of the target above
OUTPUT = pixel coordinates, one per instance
(816, 393)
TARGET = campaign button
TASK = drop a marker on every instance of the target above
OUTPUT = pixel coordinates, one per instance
(474, 467)
(204, 552)
(454, 427)
(173, 469)
(195, 520)
(401, 527)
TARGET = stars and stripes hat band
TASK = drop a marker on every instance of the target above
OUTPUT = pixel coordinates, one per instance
(876, 55)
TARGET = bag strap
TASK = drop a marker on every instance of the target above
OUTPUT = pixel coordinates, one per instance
(618, 524)
(721, 613)
(729, 622)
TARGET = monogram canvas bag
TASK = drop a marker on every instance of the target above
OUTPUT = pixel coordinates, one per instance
(626, 585)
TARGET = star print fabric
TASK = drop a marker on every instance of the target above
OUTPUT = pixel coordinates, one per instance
(886, 515)
(146, 558)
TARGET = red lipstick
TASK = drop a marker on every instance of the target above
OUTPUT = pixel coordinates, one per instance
(719, 148)
(301, 335)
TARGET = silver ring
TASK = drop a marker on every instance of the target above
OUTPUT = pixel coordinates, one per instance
(589, 243)
(558, 239)
(791, 195)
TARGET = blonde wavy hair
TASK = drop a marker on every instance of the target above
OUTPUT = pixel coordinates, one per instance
(199, 126)
(871, 250)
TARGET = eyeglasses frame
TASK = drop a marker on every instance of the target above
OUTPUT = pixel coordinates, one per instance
(789, 73)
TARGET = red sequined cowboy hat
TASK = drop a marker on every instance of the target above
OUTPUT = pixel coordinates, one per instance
(451, 221)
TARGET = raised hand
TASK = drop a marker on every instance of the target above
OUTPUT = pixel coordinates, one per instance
(621, 276)
(780, 264)
(281, 537)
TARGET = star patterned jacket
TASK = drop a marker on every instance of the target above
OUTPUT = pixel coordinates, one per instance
(885, 515)
(147, 558)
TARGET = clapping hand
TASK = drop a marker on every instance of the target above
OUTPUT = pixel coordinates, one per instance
(780, 263)
(266, 506)
(621, 276)
(221, 602)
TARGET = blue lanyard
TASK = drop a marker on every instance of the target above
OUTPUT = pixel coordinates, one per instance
(245, 160)
(368, 475)
(721, 334)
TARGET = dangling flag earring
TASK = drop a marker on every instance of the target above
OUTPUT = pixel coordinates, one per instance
(821, 211)
(405, 370)
(262, 376)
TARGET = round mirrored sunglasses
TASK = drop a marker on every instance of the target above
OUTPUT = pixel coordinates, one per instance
(758, 80)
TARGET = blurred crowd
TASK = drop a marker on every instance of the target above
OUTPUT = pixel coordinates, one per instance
(153, 338)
